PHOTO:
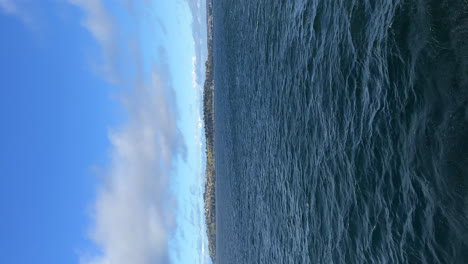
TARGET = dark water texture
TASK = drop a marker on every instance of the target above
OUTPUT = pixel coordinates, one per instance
(341, 131)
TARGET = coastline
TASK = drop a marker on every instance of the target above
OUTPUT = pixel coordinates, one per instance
(208, 118)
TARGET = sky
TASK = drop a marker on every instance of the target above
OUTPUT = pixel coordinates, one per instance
(101, 131)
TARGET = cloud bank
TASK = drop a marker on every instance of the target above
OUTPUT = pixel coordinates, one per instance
(199, 34)
(134, 212)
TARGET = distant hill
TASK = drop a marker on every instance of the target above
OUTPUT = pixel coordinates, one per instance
(208, 117)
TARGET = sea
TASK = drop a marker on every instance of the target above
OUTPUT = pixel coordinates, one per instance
(341, 131)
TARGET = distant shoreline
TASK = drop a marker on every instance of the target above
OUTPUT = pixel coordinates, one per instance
(208, 118)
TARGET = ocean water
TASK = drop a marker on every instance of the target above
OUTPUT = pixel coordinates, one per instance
(341, 131)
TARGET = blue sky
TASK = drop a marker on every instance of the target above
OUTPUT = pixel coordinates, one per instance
(101, 132)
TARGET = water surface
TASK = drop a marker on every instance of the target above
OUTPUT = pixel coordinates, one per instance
(341, 131)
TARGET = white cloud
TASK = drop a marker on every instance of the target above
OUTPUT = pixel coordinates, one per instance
(194, 74)
(8, 6)
(16, 9)
(133, 215)
(134, 210)
(198, 11)
(101, 25)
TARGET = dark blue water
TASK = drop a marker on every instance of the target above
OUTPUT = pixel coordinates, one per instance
(341, 131)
